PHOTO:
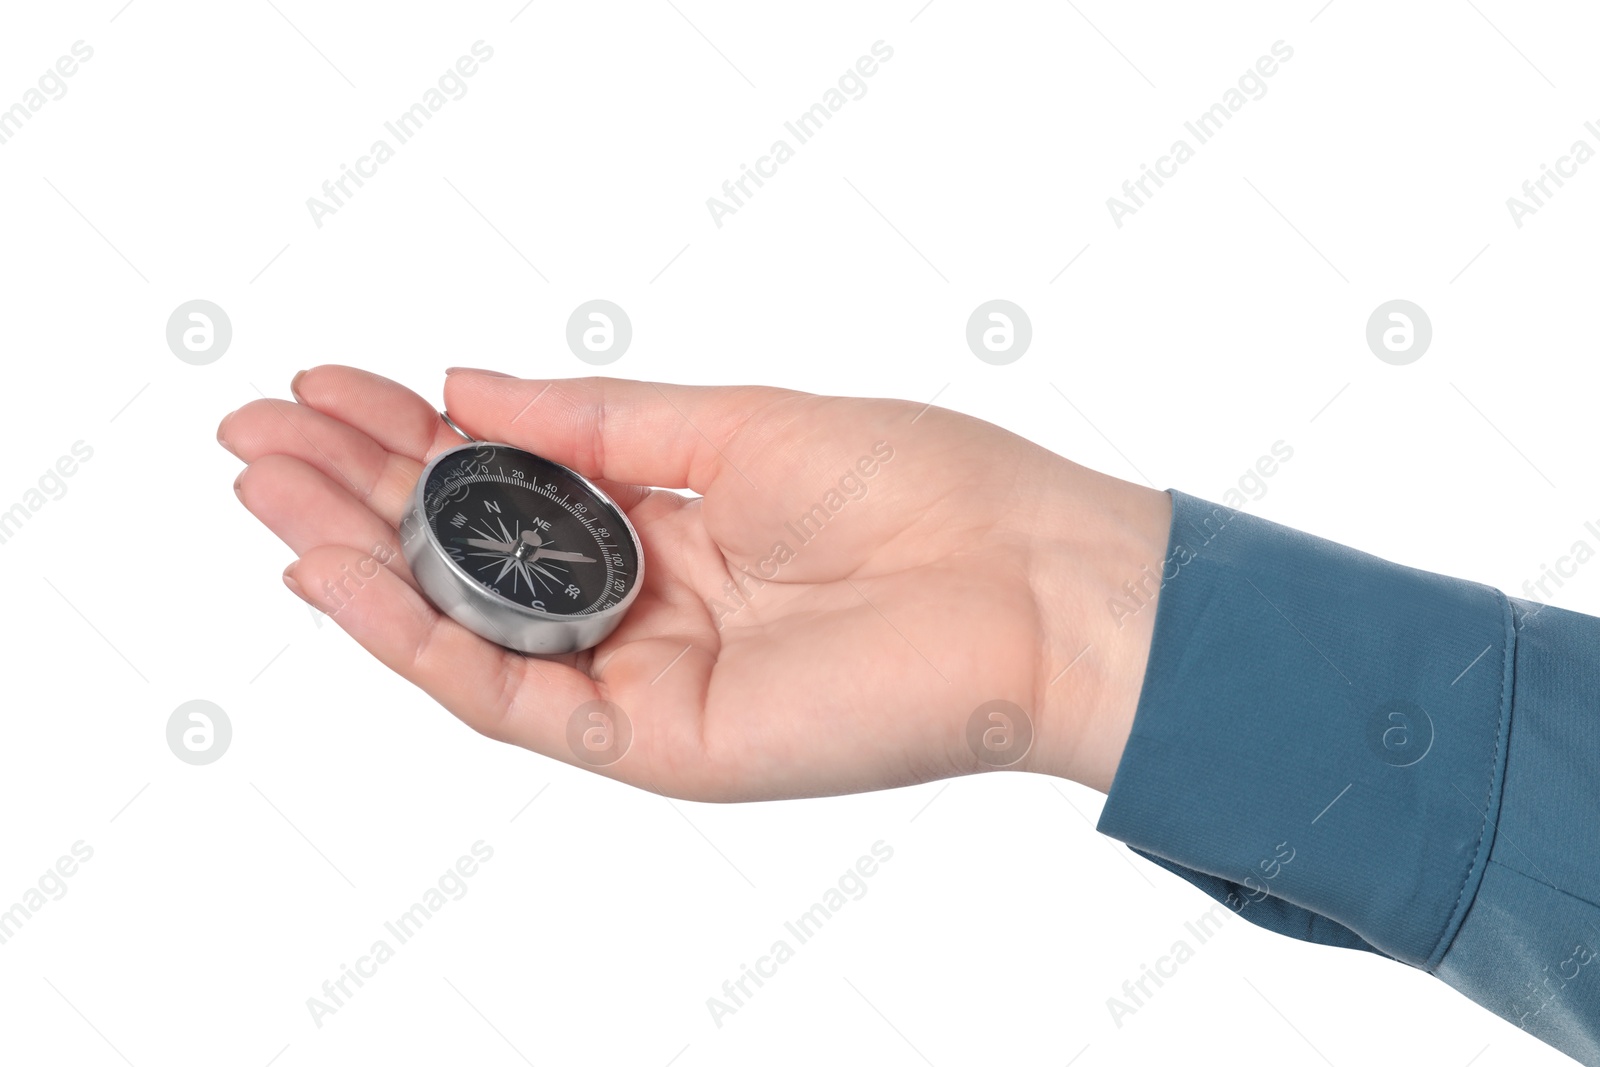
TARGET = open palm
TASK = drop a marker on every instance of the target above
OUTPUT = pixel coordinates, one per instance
(854, 579)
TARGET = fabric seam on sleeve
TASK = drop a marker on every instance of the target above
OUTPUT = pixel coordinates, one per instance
(1491, 805)
(1537, 880)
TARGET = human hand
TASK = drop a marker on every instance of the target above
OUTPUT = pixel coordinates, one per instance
(856, 577)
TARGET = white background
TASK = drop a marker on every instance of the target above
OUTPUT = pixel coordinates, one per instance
(1227, 314)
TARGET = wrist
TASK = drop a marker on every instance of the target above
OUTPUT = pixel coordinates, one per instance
(1096, 572)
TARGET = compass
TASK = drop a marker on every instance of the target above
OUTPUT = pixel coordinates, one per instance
(521, 550)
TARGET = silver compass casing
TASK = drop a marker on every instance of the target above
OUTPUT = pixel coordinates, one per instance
(509, 624)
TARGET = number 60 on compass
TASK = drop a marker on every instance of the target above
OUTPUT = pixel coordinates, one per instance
(521, 550)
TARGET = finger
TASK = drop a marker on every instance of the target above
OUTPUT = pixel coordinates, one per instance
(629, 497)
(644, 433)
(306, 508)
(380, 479)
(501, 694)
(386, 411)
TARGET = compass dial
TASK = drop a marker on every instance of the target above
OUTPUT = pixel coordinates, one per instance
(529, 530)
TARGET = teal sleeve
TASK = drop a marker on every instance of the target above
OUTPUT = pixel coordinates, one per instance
(1366, 755)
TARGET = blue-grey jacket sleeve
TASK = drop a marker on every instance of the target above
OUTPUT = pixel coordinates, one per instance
(1361, 754)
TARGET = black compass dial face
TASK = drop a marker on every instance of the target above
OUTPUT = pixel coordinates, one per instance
(529, 530)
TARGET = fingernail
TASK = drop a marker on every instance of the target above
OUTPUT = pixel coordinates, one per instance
(474, 370)
(294, 386)
(236, 483)
(222, 428)
(294, 586)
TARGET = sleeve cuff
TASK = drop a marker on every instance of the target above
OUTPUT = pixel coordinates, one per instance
(1320, 736)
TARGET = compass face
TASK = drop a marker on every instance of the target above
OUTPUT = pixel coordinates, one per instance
(529, 531)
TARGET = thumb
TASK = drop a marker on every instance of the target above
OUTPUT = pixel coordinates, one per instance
(640, 433)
